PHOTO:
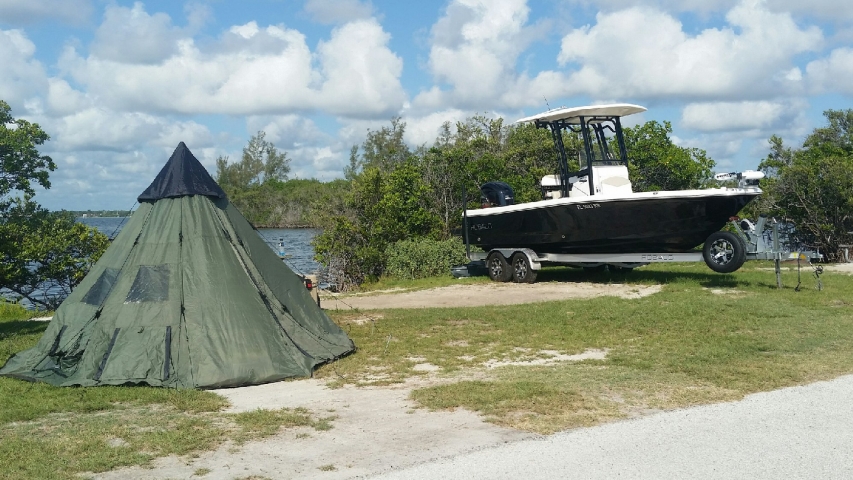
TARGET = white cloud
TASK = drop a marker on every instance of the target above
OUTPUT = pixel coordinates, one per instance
(833, 73)
(74, 12)
(249, 70)
(735, 134)
(643, 52)
(338, 11)
(361, 73)
(21, 76)
(833, 10)
(424, 130)
(131, 35)
(99, 129)
(729, 116)
(475, 48)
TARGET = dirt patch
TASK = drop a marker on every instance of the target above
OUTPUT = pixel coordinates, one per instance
(376, 429)
(550, 357)
(483, 294)
(840, 267)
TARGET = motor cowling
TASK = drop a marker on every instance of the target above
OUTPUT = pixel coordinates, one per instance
(497, 194)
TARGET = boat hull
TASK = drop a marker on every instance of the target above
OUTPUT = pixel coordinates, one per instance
(649, 222)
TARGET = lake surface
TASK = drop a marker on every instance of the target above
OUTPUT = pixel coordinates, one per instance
(296, 241)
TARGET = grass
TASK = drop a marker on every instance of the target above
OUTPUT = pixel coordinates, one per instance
(705, 338)
(58, 433)
(395, 284)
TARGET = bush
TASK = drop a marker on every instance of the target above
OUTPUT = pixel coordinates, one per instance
(422, 257)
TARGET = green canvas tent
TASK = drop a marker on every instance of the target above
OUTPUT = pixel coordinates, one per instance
(188, 296)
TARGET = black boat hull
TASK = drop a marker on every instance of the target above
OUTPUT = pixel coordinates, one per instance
(651, 223)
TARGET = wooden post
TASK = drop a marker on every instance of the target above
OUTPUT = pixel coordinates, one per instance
(778, 272)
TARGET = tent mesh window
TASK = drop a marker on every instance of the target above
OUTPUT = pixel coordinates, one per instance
(150, 285)
(101, 288)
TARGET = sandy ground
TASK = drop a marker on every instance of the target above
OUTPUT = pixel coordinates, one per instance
(482, 294)
(377, 430)
(840, 267)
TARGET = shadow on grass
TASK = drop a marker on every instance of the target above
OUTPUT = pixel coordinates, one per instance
(21, 327)
(708, 280)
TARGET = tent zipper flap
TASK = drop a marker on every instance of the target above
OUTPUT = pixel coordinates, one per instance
(103, 364)
(168, 359)
(55, 346)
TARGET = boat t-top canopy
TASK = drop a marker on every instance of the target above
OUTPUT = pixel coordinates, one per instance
(592, 123)
(571, 115)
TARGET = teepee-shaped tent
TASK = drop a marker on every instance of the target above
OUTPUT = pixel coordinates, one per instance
(188, 296)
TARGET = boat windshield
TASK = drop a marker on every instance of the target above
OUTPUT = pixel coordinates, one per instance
(603, 144)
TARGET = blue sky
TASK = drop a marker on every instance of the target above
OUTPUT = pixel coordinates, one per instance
(118, 84)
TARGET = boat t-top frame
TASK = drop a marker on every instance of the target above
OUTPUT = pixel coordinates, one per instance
(592, 123)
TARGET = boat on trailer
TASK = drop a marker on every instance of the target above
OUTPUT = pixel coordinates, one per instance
(593, 216)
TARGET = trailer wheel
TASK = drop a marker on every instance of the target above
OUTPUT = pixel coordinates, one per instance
(499, 270)
(522, 272)
(724, 252)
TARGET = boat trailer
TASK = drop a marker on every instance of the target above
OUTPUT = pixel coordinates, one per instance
(723, 252)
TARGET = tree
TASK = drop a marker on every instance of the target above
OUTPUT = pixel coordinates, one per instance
(385, 148)
(381, 209)
(354, 167)
(43, 255)
(20, 162)
(251, 183)
(812, 187)
(656, 163)
(261, 163)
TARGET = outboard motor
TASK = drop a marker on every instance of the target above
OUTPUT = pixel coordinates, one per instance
(497, 194)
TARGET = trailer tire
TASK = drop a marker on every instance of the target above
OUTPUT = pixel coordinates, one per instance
(498, 267)
(522, 271)
(724, 252)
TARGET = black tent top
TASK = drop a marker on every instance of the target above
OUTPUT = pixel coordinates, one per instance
(182, 175)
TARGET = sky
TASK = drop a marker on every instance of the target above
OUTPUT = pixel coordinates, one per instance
(118, 84)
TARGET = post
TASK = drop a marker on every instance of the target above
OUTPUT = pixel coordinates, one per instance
(777, 261)
(465, 223)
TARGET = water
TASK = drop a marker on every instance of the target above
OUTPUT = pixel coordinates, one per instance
(297, 241)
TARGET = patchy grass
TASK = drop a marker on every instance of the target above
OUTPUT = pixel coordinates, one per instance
(690, 344)
(687, 345)
(60, 446)
(58, 433)
(400, 284)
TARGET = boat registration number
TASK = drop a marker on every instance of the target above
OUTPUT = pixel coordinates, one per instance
(586, 206)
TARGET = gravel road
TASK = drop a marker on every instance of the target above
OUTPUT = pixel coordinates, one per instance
(800, 432)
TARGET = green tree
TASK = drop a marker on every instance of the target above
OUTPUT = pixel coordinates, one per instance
(20, 161)
(43, 255)
(812, 187)
(385, 148)
(656, 163)
(381, 208)
(253, 182)
(261, 163)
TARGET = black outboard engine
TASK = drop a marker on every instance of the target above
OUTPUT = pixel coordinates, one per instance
(497, 194)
